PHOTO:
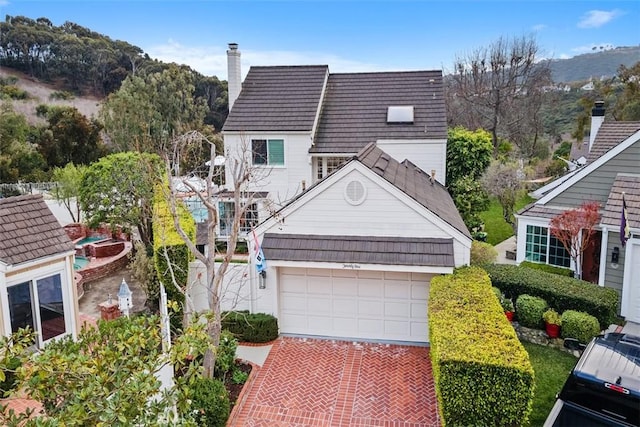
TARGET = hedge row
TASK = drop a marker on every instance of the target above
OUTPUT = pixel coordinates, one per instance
(254, 327)
(561, 293)
(482, 373)
(548, 268)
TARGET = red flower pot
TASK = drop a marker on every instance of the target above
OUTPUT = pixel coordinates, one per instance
(509, 315)
(553, 330)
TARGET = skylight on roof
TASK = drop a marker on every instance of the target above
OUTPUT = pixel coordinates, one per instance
(400, 114)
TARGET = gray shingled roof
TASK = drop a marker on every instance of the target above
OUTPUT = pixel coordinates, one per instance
(415, 183)
(609, 135)
(359, 249)
(283, 98)
(540, 211)
(612, 214)
(28, 230)
(354, 112)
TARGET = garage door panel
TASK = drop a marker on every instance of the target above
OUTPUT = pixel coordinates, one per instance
(419, 291)
(319, 305)
(370, 328)
(419, 310)
(419, 329)
(396, 328)
(318, 285)
(370, 308)
(397, 290)
(354, 304)
(345, 286)
(346, 308)
(397, 309)
(294, 302)
(370, 289)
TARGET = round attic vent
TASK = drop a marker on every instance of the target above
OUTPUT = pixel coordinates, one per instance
(355, 192)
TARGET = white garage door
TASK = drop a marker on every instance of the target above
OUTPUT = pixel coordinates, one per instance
(354, 304)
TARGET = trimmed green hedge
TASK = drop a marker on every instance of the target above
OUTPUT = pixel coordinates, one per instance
(579, 325)
(529, 310)
(561, 293)
(482, 373)
(210, 402)
(251, 327)
(548, 268)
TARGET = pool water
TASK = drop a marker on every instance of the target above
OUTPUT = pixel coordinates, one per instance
(80, 262)
(90, 240)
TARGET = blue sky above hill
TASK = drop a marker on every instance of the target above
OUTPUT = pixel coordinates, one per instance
(354, 35)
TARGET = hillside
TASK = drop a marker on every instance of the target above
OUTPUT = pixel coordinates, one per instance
(593, 65)
(40, 93)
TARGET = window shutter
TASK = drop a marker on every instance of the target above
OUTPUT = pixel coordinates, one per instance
(276, 152)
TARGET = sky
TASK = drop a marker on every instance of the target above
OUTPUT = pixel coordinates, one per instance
(347, 35)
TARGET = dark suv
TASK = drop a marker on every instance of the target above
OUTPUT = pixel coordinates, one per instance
(604, 386)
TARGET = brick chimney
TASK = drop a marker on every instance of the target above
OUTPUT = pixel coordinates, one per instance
(234, 75)
(597, 118)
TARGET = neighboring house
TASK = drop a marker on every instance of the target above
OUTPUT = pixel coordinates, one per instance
(297, 124)
(613, 167)
(36, 271)
(360, 220)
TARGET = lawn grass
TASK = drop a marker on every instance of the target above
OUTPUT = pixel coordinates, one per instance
(494, 224)
(551, 367)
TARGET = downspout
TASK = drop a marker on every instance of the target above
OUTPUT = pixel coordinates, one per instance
(603, 255)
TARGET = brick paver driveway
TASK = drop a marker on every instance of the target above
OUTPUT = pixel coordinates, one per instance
(310, 382)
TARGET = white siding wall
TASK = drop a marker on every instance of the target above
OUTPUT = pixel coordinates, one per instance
(235, 292)
(427, 154)
(282, 182)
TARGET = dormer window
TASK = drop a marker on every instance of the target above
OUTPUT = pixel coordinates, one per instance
(400, 114)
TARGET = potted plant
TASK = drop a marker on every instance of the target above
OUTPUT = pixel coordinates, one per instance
(552, 321)
(507, 306)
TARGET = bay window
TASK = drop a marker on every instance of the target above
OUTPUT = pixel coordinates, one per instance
(541, 246)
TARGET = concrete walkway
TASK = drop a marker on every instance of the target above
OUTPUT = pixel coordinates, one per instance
(256, 354)
(631, 328)
(503, 247)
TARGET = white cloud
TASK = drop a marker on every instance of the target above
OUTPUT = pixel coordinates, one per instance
(539, 27)
(212, 60)
(597, 18)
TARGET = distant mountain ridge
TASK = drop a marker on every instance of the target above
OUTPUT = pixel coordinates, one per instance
(593, 65)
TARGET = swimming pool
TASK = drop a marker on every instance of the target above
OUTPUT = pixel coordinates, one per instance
(80, 262)
(90, 239)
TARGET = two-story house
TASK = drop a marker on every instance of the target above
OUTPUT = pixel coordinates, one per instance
(350, 209)
(612, 168)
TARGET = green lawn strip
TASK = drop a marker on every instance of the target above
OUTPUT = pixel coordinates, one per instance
(494, 224)
(551, 367)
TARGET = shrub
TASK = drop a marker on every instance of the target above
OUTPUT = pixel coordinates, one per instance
(178, 255)
(255, 327)
(225, 354)
(210, 401)
(61, 94)
(548, 268)
(482, 253)
(562, 293)
(579, 325)
(552, 317)
(530, 310)
(13, 92)
(482, 373)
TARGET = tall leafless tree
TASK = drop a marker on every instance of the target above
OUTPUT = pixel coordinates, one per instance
(493, 88)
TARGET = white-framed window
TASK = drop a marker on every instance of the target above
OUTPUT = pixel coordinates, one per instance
(267, 152)
(326, 165)
(39, 305)
(226, 213)
(544, 248)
